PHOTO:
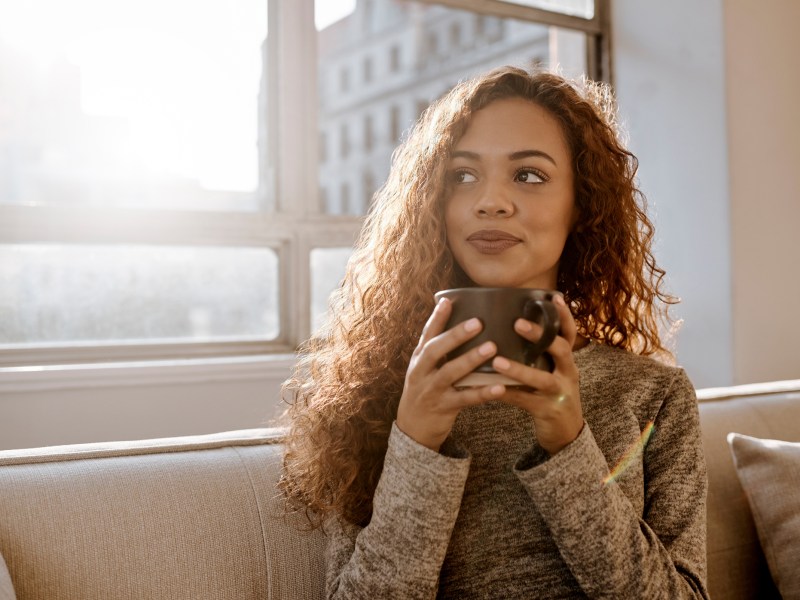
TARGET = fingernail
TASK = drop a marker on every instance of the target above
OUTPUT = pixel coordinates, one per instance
(496, 390)
(501, 363)
(559, 299)
(523, 325)
(472, 325)
(443, 301)
(486, 349)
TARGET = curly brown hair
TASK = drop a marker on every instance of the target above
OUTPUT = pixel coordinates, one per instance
(349, 378)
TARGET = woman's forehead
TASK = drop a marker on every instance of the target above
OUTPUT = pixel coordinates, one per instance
(513, 125)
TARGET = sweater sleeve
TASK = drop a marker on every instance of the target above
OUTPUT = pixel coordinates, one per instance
(611, 550)
(399, 554)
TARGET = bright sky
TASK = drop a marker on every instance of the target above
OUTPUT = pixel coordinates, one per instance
(328, 11)
(184, 73)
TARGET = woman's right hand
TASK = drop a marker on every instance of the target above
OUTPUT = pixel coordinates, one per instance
(430, 404)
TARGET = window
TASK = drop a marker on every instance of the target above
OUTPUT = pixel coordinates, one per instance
(368, 187)
(394, 124)
(368, 133)
(431, 44)
(480, 25)
(146, 216)
(394, 59)
(323, 201)
(344, 141)
(345, 200)
(367, 70)
(455, 35)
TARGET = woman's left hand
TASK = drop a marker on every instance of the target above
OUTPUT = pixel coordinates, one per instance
(552, 399)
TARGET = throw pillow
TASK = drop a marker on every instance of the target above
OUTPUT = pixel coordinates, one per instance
(769, 471)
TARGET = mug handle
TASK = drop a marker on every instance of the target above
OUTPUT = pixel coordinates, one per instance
(545, 314)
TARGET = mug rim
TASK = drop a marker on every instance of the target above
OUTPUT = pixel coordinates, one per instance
(481, 289)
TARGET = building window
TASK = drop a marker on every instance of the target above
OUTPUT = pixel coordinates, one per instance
(324, 205)
(344, 141)
(394, 59)
(368, 133)
(368, 186)
(480, 25)
(394, 124)
(344, 200)
(367, 70)
(455, 35)
(431, 43)
(133, 201)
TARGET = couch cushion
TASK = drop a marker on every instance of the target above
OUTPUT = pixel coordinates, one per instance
(737, 568)
(6, 587)
(769, 471)
(182, 518)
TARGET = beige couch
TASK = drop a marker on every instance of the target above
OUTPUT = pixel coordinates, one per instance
(199, 517)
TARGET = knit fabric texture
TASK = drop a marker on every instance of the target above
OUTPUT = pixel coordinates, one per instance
(619, 513)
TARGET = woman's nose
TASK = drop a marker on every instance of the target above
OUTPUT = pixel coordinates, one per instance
(494, 202)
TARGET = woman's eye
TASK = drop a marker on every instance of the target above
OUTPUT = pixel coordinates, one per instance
(464, 177)
(529, 176)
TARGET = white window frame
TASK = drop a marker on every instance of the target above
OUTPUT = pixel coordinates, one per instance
(293, 227)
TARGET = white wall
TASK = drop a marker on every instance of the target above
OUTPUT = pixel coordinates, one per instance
(669, 75)
(763, 107)
(89, 404)
(709, 91)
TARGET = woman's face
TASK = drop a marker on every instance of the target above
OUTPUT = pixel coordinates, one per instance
(511, 200)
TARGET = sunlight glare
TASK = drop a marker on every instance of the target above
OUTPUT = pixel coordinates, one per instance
(182, 77)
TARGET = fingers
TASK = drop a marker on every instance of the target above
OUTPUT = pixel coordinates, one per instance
(461, 366)
(436, 322)
(569, 329)
(535, 379)
(463, 397)
(435, 343)
(561, 347)
(549, 385)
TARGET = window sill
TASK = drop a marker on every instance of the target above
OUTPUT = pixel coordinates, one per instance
(145, 373)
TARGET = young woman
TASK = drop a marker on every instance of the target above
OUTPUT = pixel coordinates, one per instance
(585, 482)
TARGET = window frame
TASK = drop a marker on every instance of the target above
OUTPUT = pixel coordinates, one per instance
(598, 28)
(293, 221)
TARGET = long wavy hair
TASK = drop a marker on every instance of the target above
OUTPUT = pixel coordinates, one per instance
(346, 387)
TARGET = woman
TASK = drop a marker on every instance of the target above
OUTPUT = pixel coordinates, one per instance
(585, 482)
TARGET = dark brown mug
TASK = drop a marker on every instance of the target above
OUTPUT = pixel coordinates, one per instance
(498, 309)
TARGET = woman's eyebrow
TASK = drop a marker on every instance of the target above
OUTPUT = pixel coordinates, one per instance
(518, 155)
(529, 153)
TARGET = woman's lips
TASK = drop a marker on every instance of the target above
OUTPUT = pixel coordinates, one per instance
(492, 241)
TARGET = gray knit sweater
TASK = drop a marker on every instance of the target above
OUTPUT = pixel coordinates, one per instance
(492, 516)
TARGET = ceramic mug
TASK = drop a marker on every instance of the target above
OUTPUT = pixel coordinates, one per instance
(498, 309)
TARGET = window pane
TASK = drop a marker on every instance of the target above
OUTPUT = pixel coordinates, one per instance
(154, 103)
(65, 293)
(327, 271)
(417, 51)
(577, 8)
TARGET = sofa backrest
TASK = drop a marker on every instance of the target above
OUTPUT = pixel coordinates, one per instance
(182, 518)
(200, 517)
(737, 568)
